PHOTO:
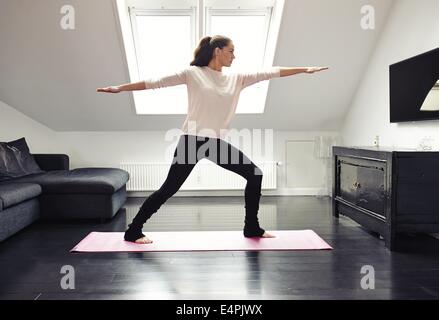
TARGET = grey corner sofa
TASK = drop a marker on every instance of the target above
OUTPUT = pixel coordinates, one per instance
(59, 193)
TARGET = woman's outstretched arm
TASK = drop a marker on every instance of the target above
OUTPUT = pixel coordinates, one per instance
(284, 72)
(169, 80)
(124, 87)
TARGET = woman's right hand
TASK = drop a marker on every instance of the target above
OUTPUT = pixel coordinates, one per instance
(315, 69)
(109, 89)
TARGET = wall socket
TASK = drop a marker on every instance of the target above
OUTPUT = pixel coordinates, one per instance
(425, 143)
(376, 141)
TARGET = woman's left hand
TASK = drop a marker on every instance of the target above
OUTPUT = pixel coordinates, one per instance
(315, 69)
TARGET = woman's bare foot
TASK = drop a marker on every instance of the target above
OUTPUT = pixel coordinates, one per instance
(143, 240)
(268, 235)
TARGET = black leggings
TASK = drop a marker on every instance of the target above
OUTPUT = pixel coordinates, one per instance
(188, 152)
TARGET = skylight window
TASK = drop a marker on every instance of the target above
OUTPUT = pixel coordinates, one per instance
(248, 30)
(164, 44)
(160, 38)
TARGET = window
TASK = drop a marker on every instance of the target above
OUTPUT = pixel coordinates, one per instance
(160, 37)
(163, 41)
(248, 29)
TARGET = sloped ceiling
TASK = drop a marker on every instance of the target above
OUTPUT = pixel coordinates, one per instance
(51, 74)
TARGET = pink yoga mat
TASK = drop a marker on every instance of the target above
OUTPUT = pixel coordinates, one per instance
(202, 241)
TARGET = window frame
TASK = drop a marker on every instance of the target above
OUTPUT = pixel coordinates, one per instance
(260, 88)
(267, 12)
(200, 13)
(134, 12)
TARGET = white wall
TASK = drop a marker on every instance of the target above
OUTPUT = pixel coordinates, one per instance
(15, 125)
(412, 28)
(109, 149)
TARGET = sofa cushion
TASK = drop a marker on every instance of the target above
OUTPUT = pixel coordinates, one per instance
(9, 165)
(24, 157)
(14, 193)
(82, 180)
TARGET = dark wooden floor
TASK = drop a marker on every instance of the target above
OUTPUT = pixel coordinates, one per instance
(31, 260)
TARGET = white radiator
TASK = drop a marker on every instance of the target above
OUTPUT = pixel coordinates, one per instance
(206, 175)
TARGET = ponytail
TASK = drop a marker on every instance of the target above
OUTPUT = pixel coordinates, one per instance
(204, 52)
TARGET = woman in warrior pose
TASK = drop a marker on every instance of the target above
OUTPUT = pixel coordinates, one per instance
(213, 97)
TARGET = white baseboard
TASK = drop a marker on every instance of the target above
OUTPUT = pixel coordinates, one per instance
(238, 193)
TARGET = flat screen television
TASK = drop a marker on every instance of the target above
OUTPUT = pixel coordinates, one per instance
(414, 88)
